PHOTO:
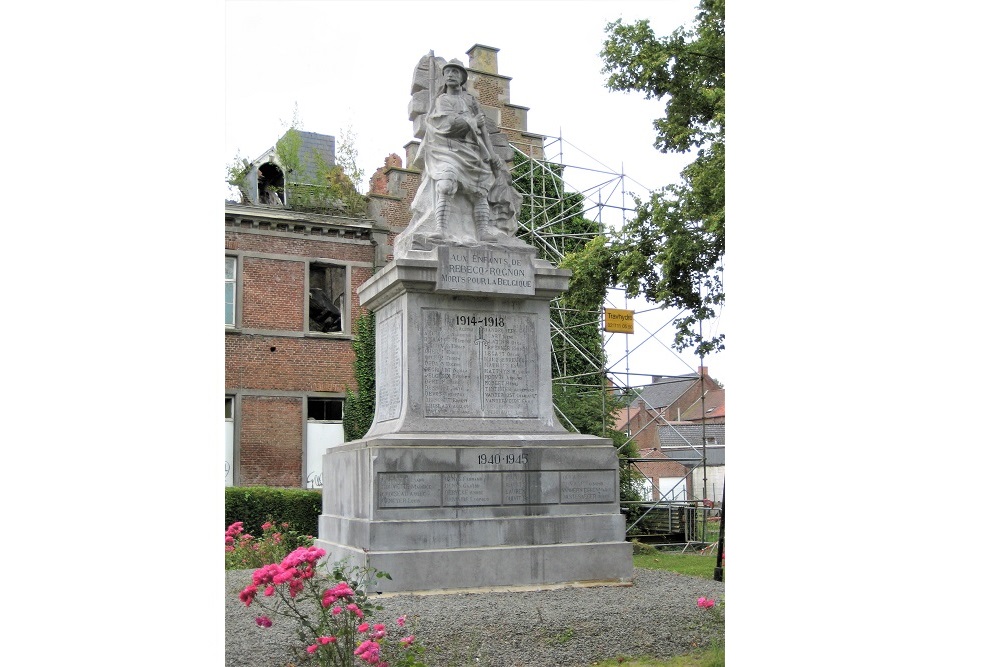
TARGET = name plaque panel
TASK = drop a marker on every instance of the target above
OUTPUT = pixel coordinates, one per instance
(475, 364)
(495, 270)
(500, 488)
(465, 489)
(531, 488)
(389, 351)
(595, 486)
(411, 489)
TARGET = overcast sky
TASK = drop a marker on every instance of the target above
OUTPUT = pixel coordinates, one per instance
(340, 72)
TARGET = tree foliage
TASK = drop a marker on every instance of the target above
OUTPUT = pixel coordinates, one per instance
(236, 174)
(577, 351)
(347, 157)
(672, 251)
(290, 145)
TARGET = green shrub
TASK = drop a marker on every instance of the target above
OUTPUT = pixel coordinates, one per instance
(252, 549)
(254, 505)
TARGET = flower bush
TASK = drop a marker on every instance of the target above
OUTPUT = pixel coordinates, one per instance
(244, 551)
(716, 610)
(332, 611)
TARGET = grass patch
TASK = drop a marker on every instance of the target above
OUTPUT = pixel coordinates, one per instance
(714, 656)
(686, 563)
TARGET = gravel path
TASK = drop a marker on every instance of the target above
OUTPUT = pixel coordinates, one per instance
(572, 627)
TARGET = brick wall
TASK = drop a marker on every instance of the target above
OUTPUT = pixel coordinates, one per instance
(295, 364)
(271, 441)
(273, 294)
(654, 470)
(299, 246)
(272, 373)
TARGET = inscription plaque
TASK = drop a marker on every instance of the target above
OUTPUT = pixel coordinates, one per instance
(494, 270)
(477, 489)
(597, 486)
(531, 488)
(475, 364)
(412, 489)
(472, 488)
(389, 351)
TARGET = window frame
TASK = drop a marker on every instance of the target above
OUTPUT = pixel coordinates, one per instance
(235, 282)
(329, 399)
(345, 303)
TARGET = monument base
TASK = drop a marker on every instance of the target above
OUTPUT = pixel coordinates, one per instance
(442, 511)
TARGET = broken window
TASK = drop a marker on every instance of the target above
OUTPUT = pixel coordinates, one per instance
(270, 185)
(326, 297)
(230, 291)
(325, 409)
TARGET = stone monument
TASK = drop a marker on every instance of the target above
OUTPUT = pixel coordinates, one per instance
(465, 479)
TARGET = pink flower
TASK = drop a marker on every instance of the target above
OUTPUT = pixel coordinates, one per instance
(326, 640)
(263, 621)
(283, 576)
(247, 594)
(336, 610)
(378, 631)
(363, 627)
(401, 620)
(303, 555)
(406, 641)
(331, 595)
(311, 648)
(705, 603)
(234, 529)
(357, 611)
(368, 651)
(266, 525)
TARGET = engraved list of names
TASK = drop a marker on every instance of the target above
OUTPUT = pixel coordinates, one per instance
(389, 388)
(477, 364)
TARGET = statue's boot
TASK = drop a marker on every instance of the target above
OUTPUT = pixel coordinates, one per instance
(440, 220)
(482, 216)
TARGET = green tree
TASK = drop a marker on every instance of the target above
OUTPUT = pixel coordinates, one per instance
(236, 175)
(289, 146)
(347, 157)
(579, 391)
(672, 251)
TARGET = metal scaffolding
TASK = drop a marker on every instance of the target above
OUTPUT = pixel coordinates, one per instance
(608, 201)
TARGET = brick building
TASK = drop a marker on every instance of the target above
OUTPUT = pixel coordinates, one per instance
(291, 281)
(670, 399)
(665, 422)
(291, 294)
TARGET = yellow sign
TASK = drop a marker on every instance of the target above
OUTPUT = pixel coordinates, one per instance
(618, 321)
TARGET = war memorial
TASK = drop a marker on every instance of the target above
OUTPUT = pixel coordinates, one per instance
(466, 480)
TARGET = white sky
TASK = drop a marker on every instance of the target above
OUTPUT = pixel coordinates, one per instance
(339, 76)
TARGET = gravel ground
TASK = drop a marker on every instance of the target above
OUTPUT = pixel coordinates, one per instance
(657, 616)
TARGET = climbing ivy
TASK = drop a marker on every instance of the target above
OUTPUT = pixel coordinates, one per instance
(359, 406)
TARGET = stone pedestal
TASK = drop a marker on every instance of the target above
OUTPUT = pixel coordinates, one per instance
(466, 479)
